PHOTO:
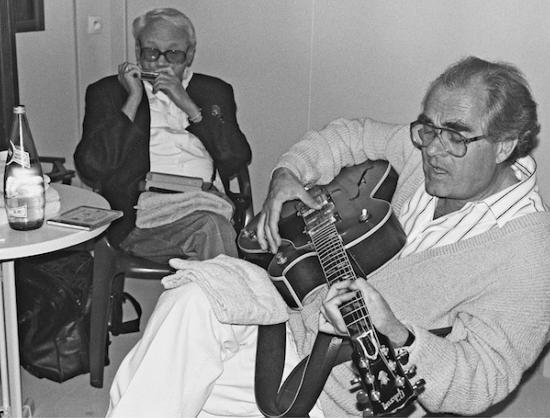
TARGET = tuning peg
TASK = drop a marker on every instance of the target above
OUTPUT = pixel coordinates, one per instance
(355, 381)
(419, 386)
(364, 405)
(368, 412)
(362, 364)
(403, 357)
(356, 385)
(362, 398)
(411, 371)
(399, 381)
(374, 395)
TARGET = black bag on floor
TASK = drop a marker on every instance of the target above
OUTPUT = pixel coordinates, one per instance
(53, 308)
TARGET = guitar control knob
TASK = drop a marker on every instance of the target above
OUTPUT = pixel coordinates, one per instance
(251, 235)
(365, 215)
(374, 395)
(369, 377)
(280, 259)
(411, 371)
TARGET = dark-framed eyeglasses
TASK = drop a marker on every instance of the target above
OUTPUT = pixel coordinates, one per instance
(173, 56)
(423, 133)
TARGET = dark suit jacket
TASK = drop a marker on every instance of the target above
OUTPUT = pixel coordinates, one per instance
(113, 153)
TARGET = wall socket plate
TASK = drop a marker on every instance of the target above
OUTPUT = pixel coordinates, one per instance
(95, 24)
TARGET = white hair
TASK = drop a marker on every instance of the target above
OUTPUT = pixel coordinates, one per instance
(173, 16)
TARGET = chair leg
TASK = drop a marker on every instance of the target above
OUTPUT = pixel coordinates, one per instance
(103, 274)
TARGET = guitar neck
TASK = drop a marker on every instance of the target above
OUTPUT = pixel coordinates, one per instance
(336, 266)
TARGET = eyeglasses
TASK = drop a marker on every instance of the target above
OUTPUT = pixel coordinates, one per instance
(173, 56)
(456, 144)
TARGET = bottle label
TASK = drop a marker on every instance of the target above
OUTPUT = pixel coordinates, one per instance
(17, 212)
(19, 156)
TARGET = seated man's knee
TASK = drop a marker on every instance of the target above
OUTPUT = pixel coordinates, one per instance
(184, 297)
(215, 221)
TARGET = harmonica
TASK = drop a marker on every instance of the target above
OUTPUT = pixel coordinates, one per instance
(149, 75)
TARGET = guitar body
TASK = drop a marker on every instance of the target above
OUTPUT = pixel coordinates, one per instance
(359, 197)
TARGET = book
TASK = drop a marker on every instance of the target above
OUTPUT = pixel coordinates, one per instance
(175, 179)
(85, 217)
(171, 182)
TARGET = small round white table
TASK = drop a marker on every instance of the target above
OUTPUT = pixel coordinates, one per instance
(18, 244)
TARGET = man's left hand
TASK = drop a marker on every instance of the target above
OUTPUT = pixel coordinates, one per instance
(381, 315)
(171, 85)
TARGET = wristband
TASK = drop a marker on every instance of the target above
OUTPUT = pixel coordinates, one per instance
(197, 117)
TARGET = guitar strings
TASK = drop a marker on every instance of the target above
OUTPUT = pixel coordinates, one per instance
(335, 261)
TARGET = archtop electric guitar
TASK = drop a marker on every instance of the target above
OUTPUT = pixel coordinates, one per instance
(354, 233)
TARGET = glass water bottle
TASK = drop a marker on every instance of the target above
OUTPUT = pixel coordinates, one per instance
(24, 191)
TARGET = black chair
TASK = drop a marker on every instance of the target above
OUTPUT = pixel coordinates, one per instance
(112, 265)
(54, 167)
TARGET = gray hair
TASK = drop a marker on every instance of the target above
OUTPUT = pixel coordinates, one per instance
(511, 112)
(173, 16)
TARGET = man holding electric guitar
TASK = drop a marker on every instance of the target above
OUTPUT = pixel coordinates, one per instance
(458, 268)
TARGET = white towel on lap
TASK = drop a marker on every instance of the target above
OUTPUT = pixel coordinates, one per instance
(157, 209)
(239, 292)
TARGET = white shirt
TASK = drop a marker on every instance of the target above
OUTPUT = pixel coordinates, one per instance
(424, 232)
(172, 148)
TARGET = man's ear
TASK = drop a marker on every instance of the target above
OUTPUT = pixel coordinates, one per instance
(190, 56)
(138, 51)
(505, 148)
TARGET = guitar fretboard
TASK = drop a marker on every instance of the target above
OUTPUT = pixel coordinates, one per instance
(336, 265)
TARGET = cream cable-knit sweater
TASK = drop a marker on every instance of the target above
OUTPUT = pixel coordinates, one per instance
(493, 289)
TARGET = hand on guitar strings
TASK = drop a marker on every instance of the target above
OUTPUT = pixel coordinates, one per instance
(381, 315)
(284, 186)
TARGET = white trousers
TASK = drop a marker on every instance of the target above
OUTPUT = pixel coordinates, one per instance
(189, 364)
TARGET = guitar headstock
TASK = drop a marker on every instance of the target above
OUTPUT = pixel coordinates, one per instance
(384, 385)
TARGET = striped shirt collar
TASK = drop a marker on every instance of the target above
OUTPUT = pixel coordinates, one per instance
(505, 204)
(424, 232)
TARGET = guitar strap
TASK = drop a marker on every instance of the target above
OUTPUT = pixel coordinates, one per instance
(297, 395)
(300, 390)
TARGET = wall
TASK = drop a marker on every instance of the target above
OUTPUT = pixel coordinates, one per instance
(48, 81)
(294, 64)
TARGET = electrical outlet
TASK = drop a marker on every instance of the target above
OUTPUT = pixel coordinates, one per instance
(95, 24)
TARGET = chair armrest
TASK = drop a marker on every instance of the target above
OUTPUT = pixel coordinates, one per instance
(58, 172)
(244, 210)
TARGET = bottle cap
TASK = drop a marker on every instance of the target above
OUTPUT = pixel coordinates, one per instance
(19, 109)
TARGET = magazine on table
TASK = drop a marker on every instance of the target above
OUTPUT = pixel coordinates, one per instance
(85, 217)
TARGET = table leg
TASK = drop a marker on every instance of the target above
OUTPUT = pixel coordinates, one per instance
(9, 343)
(3, 353)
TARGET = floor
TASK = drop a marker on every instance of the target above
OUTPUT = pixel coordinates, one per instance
(76, 398)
